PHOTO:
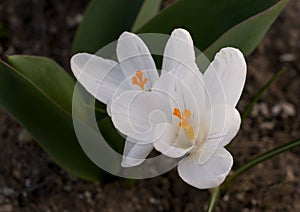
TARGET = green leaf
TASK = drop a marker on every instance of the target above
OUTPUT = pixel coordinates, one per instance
(149, 9)
(208, 20)
(260, 93)
(263, 157)
(48, 76)
(37, 93)
(248, 34)
(109, 132)
(103, 22)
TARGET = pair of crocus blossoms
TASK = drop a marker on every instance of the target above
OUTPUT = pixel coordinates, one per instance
(182, 113)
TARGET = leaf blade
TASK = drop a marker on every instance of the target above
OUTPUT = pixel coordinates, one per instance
(246, 42)
(53, 129)
(149, 9)
(103, 22)
(202, 19)
(59, 92)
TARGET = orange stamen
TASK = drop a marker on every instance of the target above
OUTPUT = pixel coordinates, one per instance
(184, 123)
(177, 113)
(139, 80)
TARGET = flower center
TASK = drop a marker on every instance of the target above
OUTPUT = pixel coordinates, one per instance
(139, 80)
(184, 123)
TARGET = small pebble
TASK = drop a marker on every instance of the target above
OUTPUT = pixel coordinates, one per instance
(8, 191)
(87, 194)
(16, 173)
(27, 182)
(288, 109)
(267, 125)
(24, 194)
(285, 58)
(254, 202)
(290, 174)
(24, 136)
(241, 196)
(284, 108)
(153, 201)
(260, 109)
(276, 110)
(67, 187)
(226, 198)
(80, 196)
(74, 21)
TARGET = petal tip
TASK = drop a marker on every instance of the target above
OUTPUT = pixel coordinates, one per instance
(131, 162)
(182, 34)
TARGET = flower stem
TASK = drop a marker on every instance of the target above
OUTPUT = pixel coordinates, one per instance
(214, 197)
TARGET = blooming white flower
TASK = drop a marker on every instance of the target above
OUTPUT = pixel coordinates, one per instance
(104, 78)
(199, 111)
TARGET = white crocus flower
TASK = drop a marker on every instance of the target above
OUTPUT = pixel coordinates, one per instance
(104, 78)
(199, 111)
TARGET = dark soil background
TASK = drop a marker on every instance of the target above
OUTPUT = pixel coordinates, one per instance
(31, 181)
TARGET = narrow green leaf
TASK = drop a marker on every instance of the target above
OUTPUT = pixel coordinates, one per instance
(51, 79)
(103, 22)
(149, 9)
(219, 191)
(263, 157)
(248, 34)
(260, 93)
(208, 20)
(44, 110)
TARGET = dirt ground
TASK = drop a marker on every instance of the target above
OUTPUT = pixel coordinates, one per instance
(31, 181)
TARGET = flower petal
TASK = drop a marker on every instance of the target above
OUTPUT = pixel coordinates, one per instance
(225, 77)
(185, 89)
(225, 123)
(179, 50)
(208, 175)
(134, 153)
(133, 55)
(100, 77)
(170, 141)
(135, 113)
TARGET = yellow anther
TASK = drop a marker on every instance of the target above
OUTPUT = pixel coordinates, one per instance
(184, 123)
(139, 80)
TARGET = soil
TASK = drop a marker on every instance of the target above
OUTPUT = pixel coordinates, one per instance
(31, 181)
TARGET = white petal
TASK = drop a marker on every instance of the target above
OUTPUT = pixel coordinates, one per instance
(135, 113)
(208, 175)
(186, 91)
(225, 77)
(108, 107)
(100, 77)
(133, 55)
(179, 50)
(232, 126)
(225, 124)
(134, 154)
(170, 141)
